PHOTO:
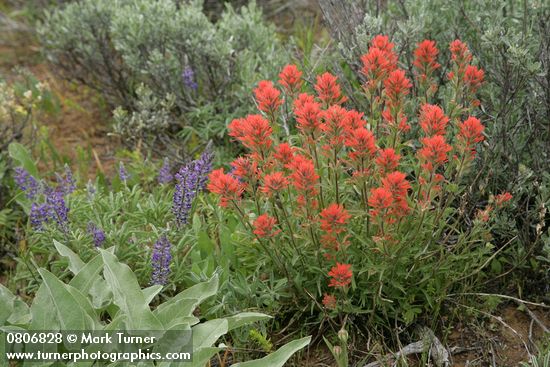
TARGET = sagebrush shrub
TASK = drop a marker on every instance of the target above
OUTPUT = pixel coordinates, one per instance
(141, 53)
(361, 211)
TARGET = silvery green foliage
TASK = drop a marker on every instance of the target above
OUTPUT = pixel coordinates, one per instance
(150, 117)
(115, 46)
(105, 286)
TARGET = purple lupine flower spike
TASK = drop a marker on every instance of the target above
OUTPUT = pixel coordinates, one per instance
(165, 175)
(26, 183)
(66, 184)
(97, 234)
(58, 210)
(40, 214)
(188, 76)
(122, 173)
(160, 261)
(191, 179)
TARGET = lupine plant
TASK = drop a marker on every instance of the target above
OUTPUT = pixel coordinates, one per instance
(360, 211)
(98, 295)
(145, 218)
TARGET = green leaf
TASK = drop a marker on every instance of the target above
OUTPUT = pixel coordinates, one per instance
(23, 157)
(245, 318)
(279, 357)
(207, 333)
(21, 314)
(150, 292)
(68, 303)
(6, 304)
(200, 291)
(88, 274)
(128, 295)
(173, 314)
(75, 264)
(41, 311)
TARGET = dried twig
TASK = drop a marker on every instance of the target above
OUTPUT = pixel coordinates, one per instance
(535, 318)
(429, 343)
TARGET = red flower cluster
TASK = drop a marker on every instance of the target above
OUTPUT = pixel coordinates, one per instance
(268, 97)
(432, 120)
(340, 275)
(379, 61)
(253, 132)
(503, 198)
(425, 60)
(334, 218)
(329, 301)
(470, 133)
(273, 183)
(308, 115)
(303, 176)
(264, 226)
(463, 72)
(473, 77)
(291, 79)
(434, 152)
(387, 160)
(359, 162)
(328, 90)
(362, 143)
(226, 186)
(396, 86)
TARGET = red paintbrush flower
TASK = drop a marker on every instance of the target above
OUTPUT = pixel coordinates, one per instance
(473, 78)
(471, 131)
(334, 218)
(389, 119)
(353, 120)
(236, 128)
(255, 133)
(460, 52)
(328, 89)
(303, 175)
(291, 79)
(273, 183)
(284, 153)
(362, 142)
(376, 65)
(302, 99)
(225, 185)
(264, 226)
(245, 168)
(380, 200)
(503, 198)
(425, 60)
(396, 87)
(432, 120)
(387, 160)
(334, 124)
(434, 152)
(308, 117)
(267, 97)
(397, 184)
(341, 275)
